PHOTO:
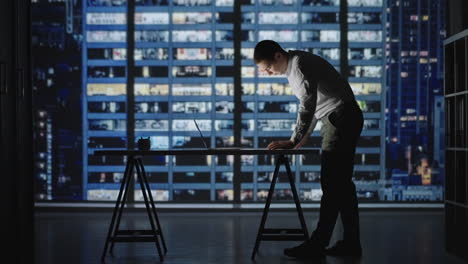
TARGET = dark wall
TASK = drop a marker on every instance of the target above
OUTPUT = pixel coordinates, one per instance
(456, 182)
(16, 196)
(457, 16)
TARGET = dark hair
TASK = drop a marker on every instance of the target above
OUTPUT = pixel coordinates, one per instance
(265, 51)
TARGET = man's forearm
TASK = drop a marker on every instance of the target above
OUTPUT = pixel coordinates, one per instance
(304, 126)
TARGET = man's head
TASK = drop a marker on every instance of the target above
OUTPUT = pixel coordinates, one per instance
(270, 57)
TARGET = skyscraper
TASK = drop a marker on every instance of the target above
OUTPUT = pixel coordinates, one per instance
(56, 99)
(185, 69)
(414, 80)
(271, 108)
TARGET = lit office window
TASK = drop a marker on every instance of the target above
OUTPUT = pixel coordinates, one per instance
(224, 107)
(151, 89)
(191, 71)
(365, 36)
(151, 54)
(189, 125)
(311, 194)
(224, 35)
(191, 18)
(276, 125)
(106, 71)
(107, 89)
(191, 89)
(225, 195)
(365, 18)
(106, 36)
(277, 18)
(151, 18)
(224, 89)
(106, 18)
(329, 35)
(192, 53)
(224, 54)
(246, 195)
(106, 107)
(365, 53)
(191, 36)
(158, 195)
(365, 3)
(248, 88)
(278, 2)
(151, 125)
(365, 71)
(366, 88)
(248, 107)
(247, 54)
(247, 71)
(274, 89)
(151, 107)
(224, 2)
(107, 124)
(310, 35)
(221, 125)
(160, 142)
(105, 177)
(102, 195)
(280, 36)
(151, 36)
(191, 107)
(248, 18)
(370, 124)
(248, 125)
(192, 2)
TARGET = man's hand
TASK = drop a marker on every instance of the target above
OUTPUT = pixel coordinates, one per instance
(284, 144)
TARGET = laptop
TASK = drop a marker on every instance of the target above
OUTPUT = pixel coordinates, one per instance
(204, 141)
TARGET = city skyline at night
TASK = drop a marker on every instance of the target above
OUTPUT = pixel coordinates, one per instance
(184, 69)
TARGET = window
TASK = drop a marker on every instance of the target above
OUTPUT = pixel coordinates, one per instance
(184, 70)
(106, 18)
(277, 18)
(365, 36)
(106, 36)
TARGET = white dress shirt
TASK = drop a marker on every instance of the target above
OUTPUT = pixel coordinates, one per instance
(319, 88)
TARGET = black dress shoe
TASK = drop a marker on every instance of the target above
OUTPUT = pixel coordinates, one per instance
(341, 248)
(308, 249)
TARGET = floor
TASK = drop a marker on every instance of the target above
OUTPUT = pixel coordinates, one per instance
(400, 236)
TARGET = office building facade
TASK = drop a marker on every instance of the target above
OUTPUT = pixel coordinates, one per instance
(56, 88)
(414, 86)
(184, 70)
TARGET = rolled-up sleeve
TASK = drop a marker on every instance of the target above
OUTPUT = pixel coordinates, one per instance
(306, 120)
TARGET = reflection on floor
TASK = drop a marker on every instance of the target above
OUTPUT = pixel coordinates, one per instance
(228, 237)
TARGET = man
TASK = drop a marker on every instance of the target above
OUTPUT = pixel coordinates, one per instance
(326, 96)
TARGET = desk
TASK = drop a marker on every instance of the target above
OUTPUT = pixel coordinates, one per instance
(155, 234)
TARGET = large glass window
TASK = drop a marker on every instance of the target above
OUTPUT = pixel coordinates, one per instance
(184, 54)
(274, 107)
(186, 72)
(185, 85)
(104, 75)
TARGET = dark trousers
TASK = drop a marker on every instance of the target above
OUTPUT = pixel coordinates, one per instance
(340, 132)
